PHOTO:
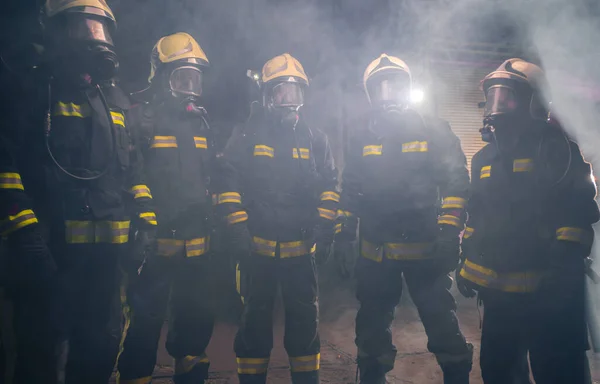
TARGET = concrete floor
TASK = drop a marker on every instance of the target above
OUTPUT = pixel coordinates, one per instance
(414, 365)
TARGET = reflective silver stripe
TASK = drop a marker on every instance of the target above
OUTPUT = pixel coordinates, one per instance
(304, 153)
(305, 363)
(200, 142)
(327, 214)
(252, 366)
(264, 150)
(415, 146)
(264, 246)
(11, 180)
(169, 247)
(295, 248)
(523, 165)
(331, 196)
(18, 221)
(164, 142)
(197, 247)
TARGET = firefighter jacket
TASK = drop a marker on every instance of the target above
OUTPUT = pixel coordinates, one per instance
(82, 140)
(405, 187)
(523, 203)
(281, 181)
(179, 155)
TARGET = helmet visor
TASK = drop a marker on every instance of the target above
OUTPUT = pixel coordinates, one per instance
(500, 99)
(287, 94)
(186, 81)
(88, 29)
(390, 90)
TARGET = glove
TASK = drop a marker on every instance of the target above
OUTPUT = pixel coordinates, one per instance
(33, 263)
(323, 253)
(447, 249)
(349, 228)
(465, 287)
(240, 243)
(324, 232)
(144, 246)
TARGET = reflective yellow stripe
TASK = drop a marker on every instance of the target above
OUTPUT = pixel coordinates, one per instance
(578, 235)
(450, 220)
(415, 146)
(480, 269)
(229, 197)
(485, 172)
(338, 228)
(304, 153)
(164, 142)
(140, 191)
(407, 251)
(295, 249)
(118, 118)
(327, 213)
(142, 380)
(18, 221)
(250, 366)
(11, 181)
(264, 150)
(372, 150)
(330, 196)
(468, 232)
(200, 142)
(72, 110)
(305, 363)
(197, 247)
(187, 363)
(523, 165)
(371, 251)
(507, 282)
(237, 217)
(86, 232)
(238, 281)
(264, 247)
(169, 247)
(453, 202)
(342, 213)
(149, 217)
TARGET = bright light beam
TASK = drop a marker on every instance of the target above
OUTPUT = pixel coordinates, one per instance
(417, 96)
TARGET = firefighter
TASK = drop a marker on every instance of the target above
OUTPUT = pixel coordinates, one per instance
(397, 171)
(71, 190)
(179, 159)
(529, 233)
(279, 199)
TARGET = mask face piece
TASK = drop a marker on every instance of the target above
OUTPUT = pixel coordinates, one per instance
(500, 100)
(186, 82)
(391, 92)
(286, 95)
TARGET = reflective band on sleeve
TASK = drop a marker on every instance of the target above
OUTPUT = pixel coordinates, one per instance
(72, 110)
(468, 232)
(229, 197)
(264, 247)
(295, 249)
(342, 213)
(149, 217)
(197, 247)
(249, 366)
(450, 220)
(415, 146)
(304, 153)
(371, 251)
(140, 191)
(485, 172)
(11, 181)
(200, 142)
(372, 150)
(237, 217)
(169, 247)
(18, 221)
(118, 118)
(85, 232)
(507, 282)
(141, 380)
(305, 363)
(264, 150)
(187, 363)
(330, 196)
(407, 251)
(453, 202)
(578, 235)
(327, 214)
(523, 165)
(164, 142)
(338, 228)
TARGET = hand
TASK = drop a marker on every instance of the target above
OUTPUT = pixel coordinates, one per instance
(323, 253)
(446, 251)
(465, 287)
(33, 263)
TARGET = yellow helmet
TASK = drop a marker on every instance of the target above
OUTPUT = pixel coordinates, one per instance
(384, 63)
(179, 47)
(518, 70)
(283, 66)
(90, 7)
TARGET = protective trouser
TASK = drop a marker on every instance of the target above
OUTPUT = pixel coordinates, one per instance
(379, 289)
(254, 341)
(181, 281)
(552, 330)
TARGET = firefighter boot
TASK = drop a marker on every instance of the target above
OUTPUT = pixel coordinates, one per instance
(253, 379)
(197, 375)
(311, 377)
(372, 374)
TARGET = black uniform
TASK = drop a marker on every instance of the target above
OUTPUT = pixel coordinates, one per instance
(86, 224)
(528, 232)
(179, 158)
(286, 180)
(393, 185)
